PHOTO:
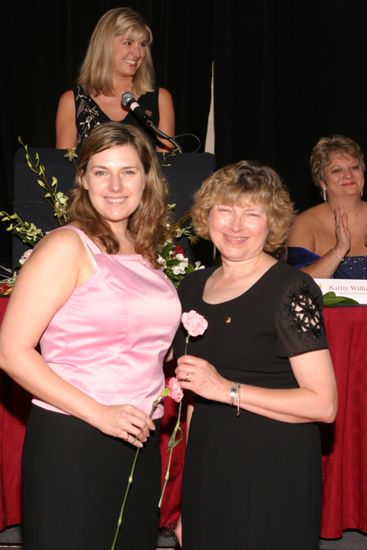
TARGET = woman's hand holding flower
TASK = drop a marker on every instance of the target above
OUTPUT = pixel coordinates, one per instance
(201, 377)
(194, 373)
(126, 422)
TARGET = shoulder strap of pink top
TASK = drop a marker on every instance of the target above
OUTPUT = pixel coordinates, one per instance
(87, 240)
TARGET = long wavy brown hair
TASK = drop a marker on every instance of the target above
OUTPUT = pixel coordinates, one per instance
(147, 224)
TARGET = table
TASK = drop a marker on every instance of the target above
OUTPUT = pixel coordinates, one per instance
(344, 460)
(14, 407)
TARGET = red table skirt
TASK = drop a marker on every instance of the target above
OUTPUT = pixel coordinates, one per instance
(344, 460)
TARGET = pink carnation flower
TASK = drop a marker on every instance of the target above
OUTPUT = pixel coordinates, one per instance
(175, 391)
(194, 323)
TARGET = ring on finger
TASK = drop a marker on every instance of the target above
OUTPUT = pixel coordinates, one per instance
(187, 376)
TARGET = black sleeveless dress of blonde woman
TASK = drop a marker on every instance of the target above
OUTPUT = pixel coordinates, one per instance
(89, 114)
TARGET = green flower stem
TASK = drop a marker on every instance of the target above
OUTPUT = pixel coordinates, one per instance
(172, 443)
(131, 477)
(186, 343)
(129, 483)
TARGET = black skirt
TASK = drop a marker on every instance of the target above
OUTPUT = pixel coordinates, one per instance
(74, 480)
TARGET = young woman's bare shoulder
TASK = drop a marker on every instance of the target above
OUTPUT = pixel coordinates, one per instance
(58, 257)
(64, 242)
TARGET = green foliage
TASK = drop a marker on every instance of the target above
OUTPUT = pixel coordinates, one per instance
(331, 299)
(25, 230)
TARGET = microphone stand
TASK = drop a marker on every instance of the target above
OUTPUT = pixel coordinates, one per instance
(161, 134)
(129, 101)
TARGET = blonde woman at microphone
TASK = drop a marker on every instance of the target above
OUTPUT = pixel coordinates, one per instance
(118, 60)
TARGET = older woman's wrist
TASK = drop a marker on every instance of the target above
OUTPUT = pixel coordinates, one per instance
(337, 254)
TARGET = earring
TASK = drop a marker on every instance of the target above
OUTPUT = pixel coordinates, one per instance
(324, 194)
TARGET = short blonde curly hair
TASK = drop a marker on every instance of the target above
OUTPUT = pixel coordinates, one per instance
(246, 181)
(325, 147)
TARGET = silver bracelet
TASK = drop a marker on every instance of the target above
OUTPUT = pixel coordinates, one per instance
(234, 393)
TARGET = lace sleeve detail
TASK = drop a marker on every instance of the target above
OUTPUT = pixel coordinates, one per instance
(304, 312)
(300, 324)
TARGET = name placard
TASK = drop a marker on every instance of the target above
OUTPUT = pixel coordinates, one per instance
(349, 288)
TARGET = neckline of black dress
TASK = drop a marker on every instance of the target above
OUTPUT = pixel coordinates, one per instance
(123, 120)
(246, 292)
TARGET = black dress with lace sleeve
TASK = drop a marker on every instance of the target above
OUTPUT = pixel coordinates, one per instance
(250, 482)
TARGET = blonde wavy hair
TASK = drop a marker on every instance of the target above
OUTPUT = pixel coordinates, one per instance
(149, 221)
(242, 182)
(325, 147)
(95, 74)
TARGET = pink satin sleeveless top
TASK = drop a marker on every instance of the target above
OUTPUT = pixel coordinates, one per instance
(111, 336)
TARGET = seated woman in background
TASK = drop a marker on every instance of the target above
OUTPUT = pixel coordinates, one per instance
(118, 60)
(329, 240)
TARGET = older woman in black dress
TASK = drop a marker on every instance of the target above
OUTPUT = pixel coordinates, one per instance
(261, 375)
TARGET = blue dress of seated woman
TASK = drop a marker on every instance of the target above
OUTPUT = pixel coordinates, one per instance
(351, 267)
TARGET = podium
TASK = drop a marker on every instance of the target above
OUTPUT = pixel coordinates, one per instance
(184, 172)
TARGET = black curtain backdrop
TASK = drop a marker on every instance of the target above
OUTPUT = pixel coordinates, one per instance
(286, 73)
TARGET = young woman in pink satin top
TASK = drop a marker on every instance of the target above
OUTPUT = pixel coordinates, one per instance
(104, 313)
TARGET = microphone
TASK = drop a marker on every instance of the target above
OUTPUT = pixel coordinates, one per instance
(129, 101)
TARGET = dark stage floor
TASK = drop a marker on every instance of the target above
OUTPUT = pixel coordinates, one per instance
(352, 540)
(12, 538)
